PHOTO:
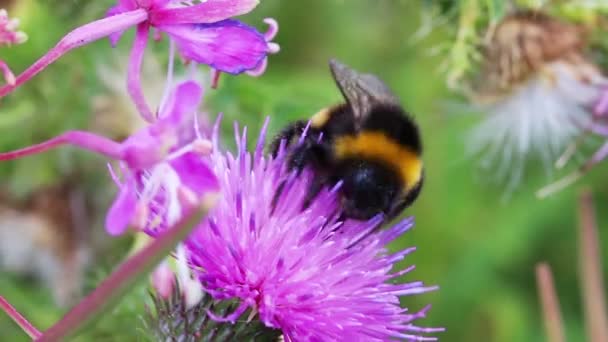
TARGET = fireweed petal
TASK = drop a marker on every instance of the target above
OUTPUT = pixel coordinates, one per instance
(146, 15)
(194, 46)
(121, 7)
(78, 37)
(208, 12)
(165, 188)
(122, 211)
(156, 188)
(303, 272)
(228, 46)
(9, 36)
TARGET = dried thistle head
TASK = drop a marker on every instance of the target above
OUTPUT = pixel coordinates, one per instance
(524, 43)
(535, 91)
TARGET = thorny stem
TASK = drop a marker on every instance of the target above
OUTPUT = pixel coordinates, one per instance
(554, 325)
(590, 268)
(80, 36)
(27, 327)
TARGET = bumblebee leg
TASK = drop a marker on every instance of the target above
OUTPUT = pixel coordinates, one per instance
(298, 159)
(308, 154)
(409, 198)
(316, 156)
(287, 134)
(395, 210)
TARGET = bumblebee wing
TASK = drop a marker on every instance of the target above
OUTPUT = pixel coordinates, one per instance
(361, 91)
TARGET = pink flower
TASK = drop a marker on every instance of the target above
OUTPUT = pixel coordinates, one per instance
(201, 32)
(8, 30)
(163, 172)
(9, 36)
(303, 272)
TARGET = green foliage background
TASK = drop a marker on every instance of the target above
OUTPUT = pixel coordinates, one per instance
(478, 247)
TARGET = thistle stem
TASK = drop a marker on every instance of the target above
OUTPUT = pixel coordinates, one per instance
(590, 268)
(554, 325)
(125, 276)
(27, 327)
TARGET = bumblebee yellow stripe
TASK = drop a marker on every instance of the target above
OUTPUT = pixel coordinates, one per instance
(321, 117)
(377, 146)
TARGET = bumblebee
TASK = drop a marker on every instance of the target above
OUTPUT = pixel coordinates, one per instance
(369, 143)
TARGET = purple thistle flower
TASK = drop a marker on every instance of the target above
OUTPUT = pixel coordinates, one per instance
(303, 272)
(201, 32)
(163, 172)
(9, 36)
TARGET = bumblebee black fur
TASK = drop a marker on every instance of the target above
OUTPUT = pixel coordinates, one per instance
(370, 143)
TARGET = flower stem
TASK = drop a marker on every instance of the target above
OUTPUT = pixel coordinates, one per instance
(554, 325)
(125, 276)
(78, 37)
(84, 140)
(27, 327)
(6, 71)
(169, 82)
(590, 266)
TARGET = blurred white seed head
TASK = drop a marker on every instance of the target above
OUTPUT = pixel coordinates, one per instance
(535, 91)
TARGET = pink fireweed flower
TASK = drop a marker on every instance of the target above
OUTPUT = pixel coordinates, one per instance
(9, 36)
(163, 172)
(202, 33)
(303, 272)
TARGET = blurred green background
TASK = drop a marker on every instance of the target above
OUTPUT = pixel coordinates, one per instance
(480, 249)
